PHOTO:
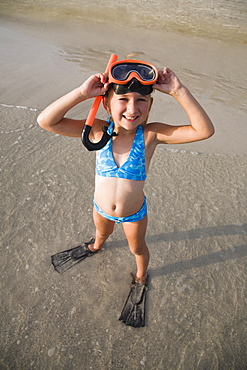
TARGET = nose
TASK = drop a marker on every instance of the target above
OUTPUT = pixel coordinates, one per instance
(132, 106)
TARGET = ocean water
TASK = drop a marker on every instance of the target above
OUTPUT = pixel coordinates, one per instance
(220, 19)
(50, 47)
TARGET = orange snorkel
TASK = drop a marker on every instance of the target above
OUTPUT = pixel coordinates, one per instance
(91, 116)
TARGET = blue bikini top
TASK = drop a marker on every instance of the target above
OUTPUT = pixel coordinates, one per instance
(134, 168)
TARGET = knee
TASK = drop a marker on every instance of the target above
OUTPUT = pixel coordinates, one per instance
(139, 250)
(104, 234)
(105, 230)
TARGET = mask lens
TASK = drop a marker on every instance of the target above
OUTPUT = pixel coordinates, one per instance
(122, 71)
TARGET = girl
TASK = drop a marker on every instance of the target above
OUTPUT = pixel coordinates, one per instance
(122, 164)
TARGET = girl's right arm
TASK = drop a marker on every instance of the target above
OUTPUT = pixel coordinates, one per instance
(52, 118)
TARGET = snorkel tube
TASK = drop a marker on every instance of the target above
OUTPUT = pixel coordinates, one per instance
(90, 119)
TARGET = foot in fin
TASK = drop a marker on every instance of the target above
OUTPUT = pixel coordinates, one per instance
(133, 313)
(63, 261)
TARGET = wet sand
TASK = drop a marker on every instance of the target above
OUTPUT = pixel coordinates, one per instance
(196, 311)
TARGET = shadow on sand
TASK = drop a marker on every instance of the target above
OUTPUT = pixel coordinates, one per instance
(221, 256)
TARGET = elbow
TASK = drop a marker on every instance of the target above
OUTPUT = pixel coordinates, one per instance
(207, 135)
(211, 132)
(41, 121)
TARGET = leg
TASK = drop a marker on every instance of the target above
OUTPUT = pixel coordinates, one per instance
(135, 233)
(104, 229)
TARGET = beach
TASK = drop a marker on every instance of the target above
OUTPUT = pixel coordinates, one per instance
(197, 232)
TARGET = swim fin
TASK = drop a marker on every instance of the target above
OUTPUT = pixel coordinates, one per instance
(63, 261)
(133, 313)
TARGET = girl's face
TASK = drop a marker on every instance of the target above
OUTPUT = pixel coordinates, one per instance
(128, 110)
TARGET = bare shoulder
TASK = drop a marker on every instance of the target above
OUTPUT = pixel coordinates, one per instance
(97, 127)
(154, 129)
(98, 123)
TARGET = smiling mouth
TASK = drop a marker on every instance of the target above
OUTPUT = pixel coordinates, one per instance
(132, 118)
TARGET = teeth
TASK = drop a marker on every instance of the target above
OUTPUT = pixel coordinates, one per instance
(130, 118)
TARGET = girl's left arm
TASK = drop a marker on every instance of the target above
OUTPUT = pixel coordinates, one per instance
(200, 127)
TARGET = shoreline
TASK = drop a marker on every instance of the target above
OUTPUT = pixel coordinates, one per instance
(172, 148)
(196, 148)
(40, 64)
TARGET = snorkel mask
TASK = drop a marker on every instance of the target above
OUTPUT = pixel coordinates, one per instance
(124, 76)
(132, 76)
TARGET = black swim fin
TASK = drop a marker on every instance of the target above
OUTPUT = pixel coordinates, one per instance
(63, 261)
(133, 313)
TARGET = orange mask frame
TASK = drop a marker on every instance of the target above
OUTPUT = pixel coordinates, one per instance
(123, 71)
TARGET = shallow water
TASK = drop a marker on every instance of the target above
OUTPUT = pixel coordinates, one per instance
(46, 52)
(218, 19)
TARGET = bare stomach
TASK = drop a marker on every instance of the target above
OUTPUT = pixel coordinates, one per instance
(118, 197)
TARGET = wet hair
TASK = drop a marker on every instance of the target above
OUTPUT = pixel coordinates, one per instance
(132, 86)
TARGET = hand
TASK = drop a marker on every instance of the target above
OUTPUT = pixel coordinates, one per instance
(95, 85)
(167, 82)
